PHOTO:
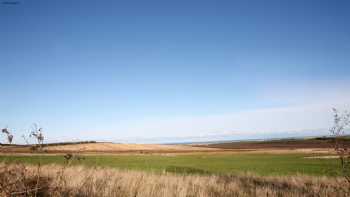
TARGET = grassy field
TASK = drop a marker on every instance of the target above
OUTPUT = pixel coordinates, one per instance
(82, 181)
(260, 164)
(276, 168)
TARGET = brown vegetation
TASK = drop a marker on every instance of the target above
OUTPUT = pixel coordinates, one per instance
(82, 181)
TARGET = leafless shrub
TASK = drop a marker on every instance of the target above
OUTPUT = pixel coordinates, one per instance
(16, 180)
(69, 157)
(36, 132)
(9, 136)
(25, 139)
(341, 123)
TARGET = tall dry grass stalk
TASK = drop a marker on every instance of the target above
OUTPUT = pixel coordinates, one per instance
(99, 182)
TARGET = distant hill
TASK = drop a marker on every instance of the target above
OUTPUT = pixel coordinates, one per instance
(287, 143)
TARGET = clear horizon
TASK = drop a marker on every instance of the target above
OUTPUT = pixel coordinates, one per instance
(89, 70)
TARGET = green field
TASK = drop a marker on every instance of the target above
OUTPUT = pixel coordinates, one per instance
(261, 164)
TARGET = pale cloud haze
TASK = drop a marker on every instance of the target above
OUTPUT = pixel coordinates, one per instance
(311, 111)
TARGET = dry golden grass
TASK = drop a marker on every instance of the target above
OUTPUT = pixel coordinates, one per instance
(111, 147)
(82, 181)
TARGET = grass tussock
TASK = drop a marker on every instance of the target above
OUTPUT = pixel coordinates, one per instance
(55, 180)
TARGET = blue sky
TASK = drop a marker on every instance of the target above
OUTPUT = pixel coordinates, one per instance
(144, 69)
